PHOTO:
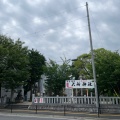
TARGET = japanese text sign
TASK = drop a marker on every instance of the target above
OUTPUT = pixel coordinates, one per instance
(79, 84)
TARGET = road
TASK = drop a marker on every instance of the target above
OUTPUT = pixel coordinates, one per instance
(47, 117)
(48, 114)
(60, 113)
(16, 117)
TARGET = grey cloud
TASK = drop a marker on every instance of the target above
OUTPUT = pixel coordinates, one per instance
(57, 15)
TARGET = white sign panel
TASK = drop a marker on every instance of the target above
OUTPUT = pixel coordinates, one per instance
(79, 84)
(38, 100)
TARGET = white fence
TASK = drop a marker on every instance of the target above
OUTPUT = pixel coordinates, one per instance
(76, 100)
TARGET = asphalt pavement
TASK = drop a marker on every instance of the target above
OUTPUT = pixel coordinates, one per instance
(25, 114)
(27, 118)
(59, 113)
(21, 116)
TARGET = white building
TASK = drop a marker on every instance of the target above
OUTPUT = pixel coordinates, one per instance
(6, 93)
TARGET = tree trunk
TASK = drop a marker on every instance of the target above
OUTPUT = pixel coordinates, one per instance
(12, 95)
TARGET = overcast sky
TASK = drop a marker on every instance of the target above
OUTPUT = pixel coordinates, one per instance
(58, 28)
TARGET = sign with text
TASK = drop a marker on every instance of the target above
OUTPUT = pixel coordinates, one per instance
(79, 84)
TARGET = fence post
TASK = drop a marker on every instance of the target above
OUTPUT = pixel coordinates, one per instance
(98, 111)
(57, 98)
(64, 110)
(98, 106)
(33, 96)
(11, 107)
(84, 99)
(36, 109)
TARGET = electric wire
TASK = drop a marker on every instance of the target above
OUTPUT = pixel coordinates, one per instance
(96, 28)
(42, 36)
(42, 18)
(54, 28)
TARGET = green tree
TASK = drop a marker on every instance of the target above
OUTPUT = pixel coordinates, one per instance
(36, 63)
(107, 71)
(107, 65)
(56, 76)
(14, 63)
(3, 64)
(82, 67)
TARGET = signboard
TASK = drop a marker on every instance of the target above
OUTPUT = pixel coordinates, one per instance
(79, 84)
(38, 100)
(41, 100)
(35, 100)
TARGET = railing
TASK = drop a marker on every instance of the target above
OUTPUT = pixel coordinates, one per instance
(109, 100)
(76, 100)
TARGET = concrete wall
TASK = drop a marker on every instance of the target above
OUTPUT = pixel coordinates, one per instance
(78, 108)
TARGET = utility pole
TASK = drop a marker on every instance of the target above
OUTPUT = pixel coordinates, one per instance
(93, 64)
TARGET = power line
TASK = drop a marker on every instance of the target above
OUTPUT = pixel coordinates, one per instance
(42, 17)
(96, 28)
(56, 27)
(45, 34)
